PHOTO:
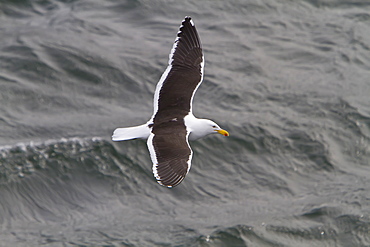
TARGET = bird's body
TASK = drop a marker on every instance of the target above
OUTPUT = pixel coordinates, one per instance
(173, 123)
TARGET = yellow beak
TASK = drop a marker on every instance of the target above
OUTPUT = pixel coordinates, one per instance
(223, 132)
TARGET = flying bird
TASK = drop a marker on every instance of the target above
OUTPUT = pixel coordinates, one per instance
(173, 124)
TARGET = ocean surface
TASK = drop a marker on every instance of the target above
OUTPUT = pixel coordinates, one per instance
(290, 81)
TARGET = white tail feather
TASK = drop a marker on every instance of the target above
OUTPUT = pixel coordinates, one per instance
(123, 134)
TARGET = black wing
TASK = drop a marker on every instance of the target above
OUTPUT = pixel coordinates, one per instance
(170, 153)
(184, 74)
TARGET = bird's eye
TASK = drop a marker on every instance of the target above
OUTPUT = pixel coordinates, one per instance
(214, 126)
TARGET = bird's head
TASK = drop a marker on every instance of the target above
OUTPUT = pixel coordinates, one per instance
(214, 128)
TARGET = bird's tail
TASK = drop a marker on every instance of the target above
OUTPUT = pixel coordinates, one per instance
(123, 134)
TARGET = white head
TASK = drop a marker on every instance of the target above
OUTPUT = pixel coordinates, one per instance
(203, 127)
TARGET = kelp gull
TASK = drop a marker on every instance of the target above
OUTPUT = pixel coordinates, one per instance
(173, 123)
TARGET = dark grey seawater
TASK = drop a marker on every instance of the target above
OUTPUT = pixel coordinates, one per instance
(290, 81)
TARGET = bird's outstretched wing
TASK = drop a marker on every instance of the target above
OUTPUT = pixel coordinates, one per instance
(184, 74)
(170, 153)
